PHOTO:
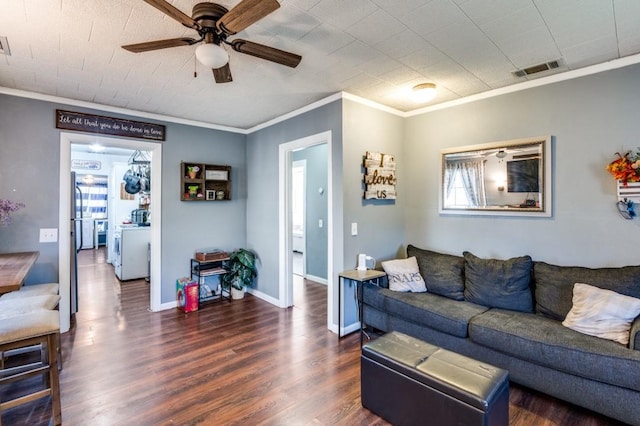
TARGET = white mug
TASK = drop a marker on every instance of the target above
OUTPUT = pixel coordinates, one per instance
(363, 259)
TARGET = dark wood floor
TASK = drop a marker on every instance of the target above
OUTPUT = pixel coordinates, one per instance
(245, 362)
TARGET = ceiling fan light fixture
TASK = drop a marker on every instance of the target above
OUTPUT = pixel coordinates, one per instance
(424, 92)
(212, 55)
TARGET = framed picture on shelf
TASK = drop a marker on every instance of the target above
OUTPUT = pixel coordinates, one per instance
(210, 194)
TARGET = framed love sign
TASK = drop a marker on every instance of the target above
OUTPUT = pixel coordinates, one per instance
(379, 176)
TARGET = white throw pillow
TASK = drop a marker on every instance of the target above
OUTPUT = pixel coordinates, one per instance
(404, 275)
(602, 313)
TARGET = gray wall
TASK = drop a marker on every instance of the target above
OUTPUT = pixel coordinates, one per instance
(29, 173)
(356, 129)
(316, 238)
(591, 118)
(191, 225)
(262, 184)
(29, 163)
(380, 222)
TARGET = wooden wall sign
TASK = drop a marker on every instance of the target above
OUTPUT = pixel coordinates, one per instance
(69, 120)
(379, 176)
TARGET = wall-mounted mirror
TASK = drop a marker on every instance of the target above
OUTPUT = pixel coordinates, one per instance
(509, 178)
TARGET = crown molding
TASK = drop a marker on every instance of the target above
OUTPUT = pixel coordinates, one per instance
(116, 110)
(567, 75)
(564, 76)
(296, 112)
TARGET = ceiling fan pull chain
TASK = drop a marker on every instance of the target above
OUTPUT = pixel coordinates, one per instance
(195, 67)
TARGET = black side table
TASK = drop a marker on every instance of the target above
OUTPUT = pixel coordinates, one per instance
(357, 277)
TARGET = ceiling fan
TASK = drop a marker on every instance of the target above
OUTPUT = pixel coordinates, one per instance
(214, 23)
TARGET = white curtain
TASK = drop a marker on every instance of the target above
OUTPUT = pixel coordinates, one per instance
(472, 174)
(94, 196)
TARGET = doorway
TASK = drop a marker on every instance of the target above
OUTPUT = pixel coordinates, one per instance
(64, 243)
(298, 216)
(286, 159)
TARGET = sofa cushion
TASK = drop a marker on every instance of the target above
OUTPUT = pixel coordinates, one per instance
(546, 342)
(443, 273)
(554, 285)
(634, 335)
(602, 313)
(424, 309)
(404, 275)
(498, 283)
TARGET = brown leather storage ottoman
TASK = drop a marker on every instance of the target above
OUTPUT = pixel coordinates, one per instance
(409, 382)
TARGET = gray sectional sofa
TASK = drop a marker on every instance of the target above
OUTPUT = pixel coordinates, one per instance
(525, 338)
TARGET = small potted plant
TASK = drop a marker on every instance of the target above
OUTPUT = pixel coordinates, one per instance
(241, 270)
(192, 171)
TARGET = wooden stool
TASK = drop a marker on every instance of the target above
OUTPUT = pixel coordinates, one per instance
(20, 306)
(35, 328)
(32, 290)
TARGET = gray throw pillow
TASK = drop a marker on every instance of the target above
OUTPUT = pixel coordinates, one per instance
(442, 273)
(499, 283)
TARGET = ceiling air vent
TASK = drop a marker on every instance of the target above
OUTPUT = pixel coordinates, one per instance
(4, 46)
(537, 68)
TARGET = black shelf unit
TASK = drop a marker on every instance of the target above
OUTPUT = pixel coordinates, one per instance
(200, 270)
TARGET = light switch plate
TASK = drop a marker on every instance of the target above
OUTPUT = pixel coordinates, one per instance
(48, 235)
(320, 223)
(354, 229)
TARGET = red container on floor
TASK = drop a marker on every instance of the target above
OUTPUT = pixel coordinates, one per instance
(187, 294)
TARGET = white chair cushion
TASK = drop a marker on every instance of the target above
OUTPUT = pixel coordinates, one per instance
(13, 307)
(32, 324)
(32, 290)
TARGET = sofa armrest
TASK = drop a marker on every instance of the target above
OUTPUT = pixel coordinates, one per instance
(634, 335)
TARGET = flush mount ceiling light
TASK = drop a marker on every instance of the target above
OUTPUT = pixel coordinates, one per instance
(96, 148)
(424, 92)
(212, 55)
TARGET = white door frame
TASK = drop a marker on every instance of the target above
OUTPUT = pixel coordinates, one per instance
(64, 222)
(284, 220)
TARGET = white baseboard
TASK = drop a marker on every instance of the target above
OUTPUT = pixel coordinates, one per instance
(168, 305)
(317, 279)
(265, 297)
(350, 328)
(174, 304)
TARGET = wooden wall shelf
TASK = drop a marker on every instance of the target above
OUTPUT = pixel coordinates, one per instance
(204, 182)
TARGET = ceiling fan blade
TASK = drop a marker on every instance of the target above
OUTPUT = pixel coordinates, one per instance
(244, 14)
(159, 44)
(265, 52)
(222, 74)
(174, 13)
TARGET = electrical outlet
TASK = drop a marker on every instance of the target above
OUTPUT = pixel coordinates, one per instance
(320, 223)
(354, 229)
(48, 235)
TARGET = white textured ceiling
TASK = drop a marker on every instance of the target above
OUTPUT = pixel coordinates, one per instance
(376, 49)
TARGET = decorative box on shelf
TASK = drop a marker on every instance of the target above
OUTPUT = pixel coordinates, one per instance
(216, 174)
(211, 254)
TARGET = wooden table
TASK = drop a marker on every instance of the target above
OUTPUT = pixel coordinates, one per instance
(14, 267)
